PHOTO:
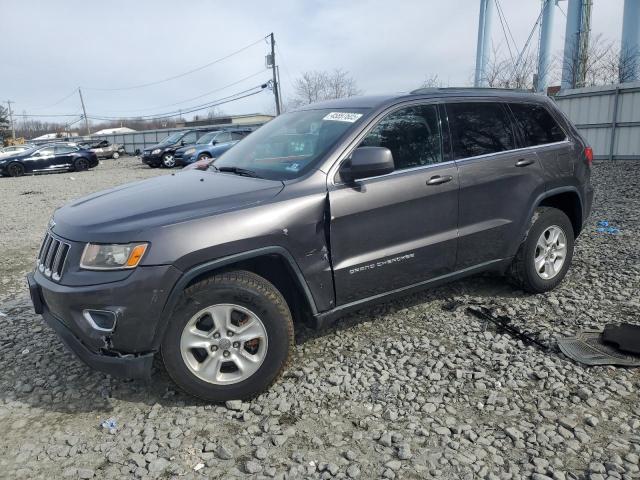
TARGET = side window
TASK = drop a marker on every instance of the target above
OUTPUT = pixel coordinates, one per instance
(479, 129)
(189, 138)
(223, 137)
(45, 151)
(412, 134)
(237, 135)
(61, 150)
(536, 124)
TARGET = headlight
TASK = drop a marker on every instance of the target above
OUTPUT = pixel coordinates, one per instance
(156, 151)
(112, 257)
(189, 151)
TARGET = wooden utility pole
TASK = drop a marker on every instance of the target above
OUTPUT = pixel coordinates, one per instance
(84, 112)
(276, 93)
(13, 128)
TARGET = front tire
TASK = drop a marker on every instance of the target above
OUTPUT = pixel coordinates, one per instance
(15, 169)
(544, 257)
(115, 155)
(230, 337)
(168, 160)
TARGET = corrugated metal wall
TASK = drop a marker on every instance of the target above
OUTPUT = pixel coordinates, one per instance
(605, 116)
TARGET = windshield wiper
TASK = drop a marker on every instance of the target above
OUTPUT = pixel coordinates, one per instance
(239, 171)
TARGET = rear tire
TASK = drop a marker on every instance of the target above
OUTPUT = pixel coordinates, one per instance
(545, 255)
(81, 164)
(204, 348)
(15, 169)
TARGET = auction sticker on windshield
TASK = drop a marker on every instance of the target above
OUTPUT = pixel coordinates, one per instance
(342, 116)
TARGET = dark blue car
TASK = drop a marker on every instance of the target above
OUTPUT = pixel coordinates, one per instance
(210, 145)
(48, 158)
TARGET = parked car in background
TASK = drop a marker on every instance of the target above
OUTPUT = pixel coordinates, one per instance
(105, 149)
(48, 158)
(163, 154)
(210, 145)
(14, 149)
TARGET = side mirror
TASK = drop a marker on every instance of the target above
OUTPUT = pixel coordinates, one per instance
(368, 162)
(182, 143)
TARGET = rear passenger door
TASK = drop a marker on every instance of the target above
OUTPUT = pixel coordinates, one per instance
(63, 156)
(395, 230)
(498, 181)
(537, 128)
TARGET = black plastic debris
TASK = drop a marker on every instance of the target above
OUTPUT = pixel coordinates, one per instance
(625, 336)
(503, 322)
(589, 348)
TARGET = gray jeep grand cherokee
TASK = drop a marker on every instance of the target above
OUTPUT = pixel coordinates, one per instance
(319, 212)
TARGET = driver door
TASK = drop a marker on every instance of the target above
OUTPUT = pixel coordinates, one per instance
(399, 229)
(41, 159)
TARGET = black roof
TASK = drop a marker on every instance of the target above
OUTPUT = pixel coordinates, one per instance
(372, 101)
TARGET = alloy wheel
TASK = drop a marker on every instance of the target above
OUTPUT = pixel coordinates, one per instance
(168, 161)
(551, 252)
(224, 344)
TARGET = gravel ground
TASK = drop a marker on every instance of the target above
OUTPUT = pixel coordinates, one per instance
(416, 388)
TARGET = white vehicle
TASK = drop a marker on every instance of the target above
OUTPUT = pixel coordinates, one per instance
(14, 149)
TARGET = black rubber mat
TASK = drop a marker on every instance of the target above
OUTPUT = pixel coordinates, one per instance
(587, 347)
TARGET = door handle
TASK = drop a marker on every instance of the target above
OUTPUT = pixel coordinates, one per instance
(523, 162)
(439, 180)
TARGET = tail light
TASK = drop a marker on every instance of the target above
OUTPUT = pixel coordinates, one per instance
(588, 154)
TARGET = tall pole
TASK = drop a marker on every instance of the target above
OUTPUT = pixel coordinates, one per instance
(275, 75)
(630, 45)
(544, 52)
(13, 128)
(585, 32)
(576, 43)
(484, 42)
(84, 112)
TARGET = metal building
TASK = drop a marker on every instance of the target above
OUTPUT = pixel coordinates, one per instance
(608, 117)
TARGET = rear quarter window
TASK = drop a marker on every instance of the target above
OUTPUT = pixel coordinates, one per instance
(537, 126)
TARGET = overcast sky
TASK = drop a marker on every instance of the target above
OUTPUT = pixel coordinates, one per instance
(51, 47)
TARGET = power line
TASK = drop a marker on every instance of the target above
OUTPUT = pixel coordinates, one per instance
(504, 31)
(230, 98)
(197, 97)
(526, 45)
(75, 90)
(197, 69)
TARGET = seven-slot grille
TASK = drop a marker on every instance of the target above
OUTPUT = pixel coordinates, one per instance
(52, 256)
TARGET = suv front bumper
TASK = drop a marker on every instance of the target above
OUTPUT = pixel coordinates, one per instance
(137, 303)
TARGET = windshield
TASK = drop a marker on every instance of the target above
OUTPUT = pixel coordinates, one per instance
(206, 138)
(173, 138)
(292, 144)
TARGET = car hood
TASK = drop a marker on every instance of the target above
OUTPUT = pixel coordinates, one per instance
(127, 212)
(161, 146)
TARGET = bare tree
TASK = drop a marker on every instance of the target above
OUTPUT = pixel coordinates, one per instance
(504, 72)
(603, 63)
(432, 81)
(315, 86)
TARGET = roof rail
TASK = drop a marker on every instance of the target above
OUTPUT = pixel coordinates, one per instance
(467, 89)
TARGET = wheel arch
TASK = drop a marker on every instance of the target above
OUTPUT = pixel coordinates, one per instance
(275, 264)
(568, 201)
